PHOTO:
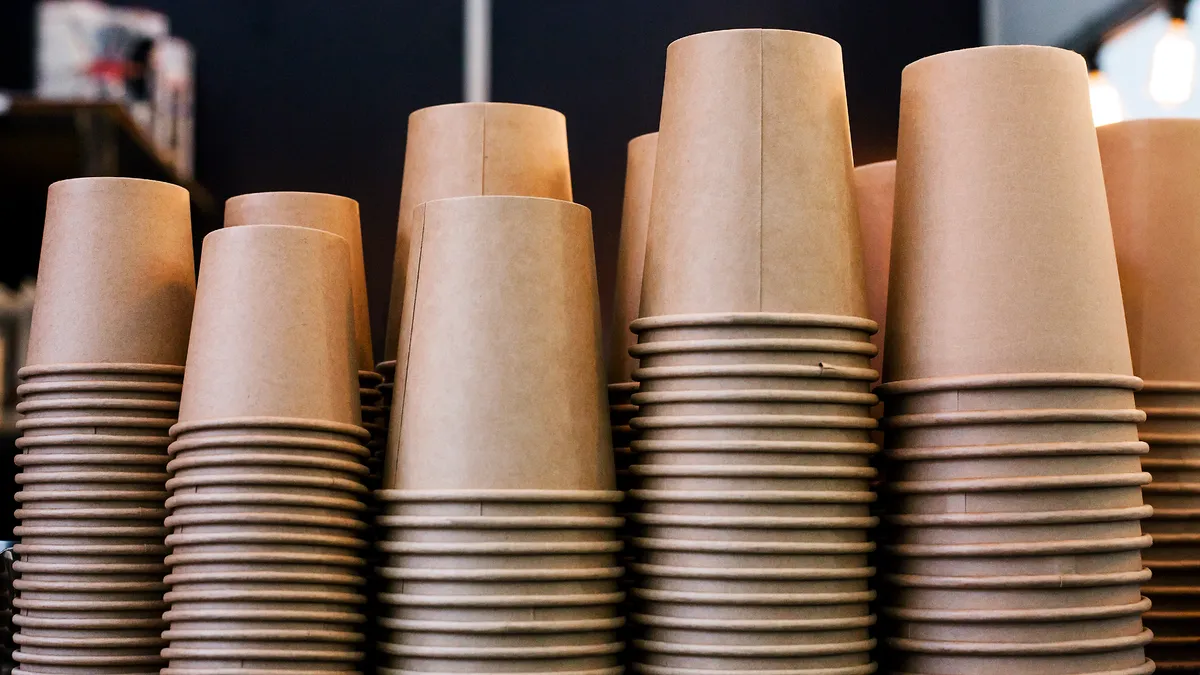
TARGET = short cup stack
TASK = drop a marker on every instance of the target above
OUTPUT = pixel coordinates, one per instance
(115, 289)
(1014, 476)
(1150, 169)
(267, 463)
(469, 150)
(499, 528)
(336, 215)
(753, 404)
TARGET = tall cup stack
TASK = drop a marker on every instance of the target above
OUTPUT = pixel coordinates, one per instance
(1015, 481)
(631, 256)
(468, 150)
(1150, 170)
(116, 285)
(499, 525)
(337, 215)
(267, 463)
(752, 457)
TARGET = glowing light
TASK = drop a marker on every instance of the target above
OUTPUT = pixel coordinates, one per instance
(1106, 102)
(1174, 66)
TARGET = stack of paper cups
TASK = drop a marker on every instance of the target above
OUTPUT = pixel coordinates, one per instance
(1015, 482)
(1149, 169)
(267, 462)
(336, 215)
(631, 256)
(101, 388)
(468, 150)
(752, 474)
(499, 529)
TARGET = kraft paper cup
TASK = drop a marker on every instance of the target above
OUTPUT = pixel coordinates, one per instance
(500, 503)
(1012, 392)
(755, 377)
(265, 442)
(98, 389)
(472, 149)
(1084, 655)
(1012, 427)
(875, 188)
(751, 326)
(785, 657)
(504, 659)
(463, 286)
(741, 402)
(1019, 625)
(631, 255)
(331, 213)
(86, 372)
(266, 293)
(1145, 164)
(959, 225)
(754, 351)
(117, 280)
(756, 427)
(744, 173)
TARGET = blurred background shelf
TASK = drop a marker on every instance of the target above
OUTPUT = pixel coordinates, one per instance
(46, 141)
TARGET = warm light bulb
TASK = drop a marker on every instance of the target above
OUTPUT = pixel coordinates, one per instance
(1174, 66)
(1106, 102)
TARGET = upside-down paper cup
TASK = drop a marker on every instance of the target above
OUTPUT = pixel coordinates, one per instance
(331, 213)
(631, 257)
(472, 149)
(474, 321)
(116, 274)
(750, 170)
(876, 190)
(273, 329)
(1146, 168)
(985, 179)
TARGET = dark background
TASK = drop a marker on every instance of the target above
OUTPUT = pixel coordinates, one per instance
(314, 94)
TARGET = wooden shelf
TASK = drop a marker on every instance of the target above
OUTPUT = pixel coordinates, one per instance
(54, 140)
(46, 141)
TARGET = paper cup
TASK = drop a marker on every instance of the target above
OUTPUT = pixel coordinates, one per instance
(631, 254)
(1144, 164)
(471, 149)
(289, 283)
(331, 213)
(745, 176)
(875, 188)
(958, 227)
(116, 272)
(462, 284)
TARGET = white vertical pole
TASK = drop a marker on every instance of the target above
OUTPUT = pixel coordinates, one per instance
(477, 50)
(991, 18)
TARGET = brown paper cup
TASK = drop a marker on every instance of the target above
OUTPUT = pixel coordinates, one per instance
(631, 255)
(116, 276)
(754, 377)
(754, 351)
(751, 326)
(1145, 167)
(265, 291)
(746, 175)
(875, 188)
(331, 213)
(471, 149)
(463, 283)
(1082, 654)
(966, 148)
(39, 390)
